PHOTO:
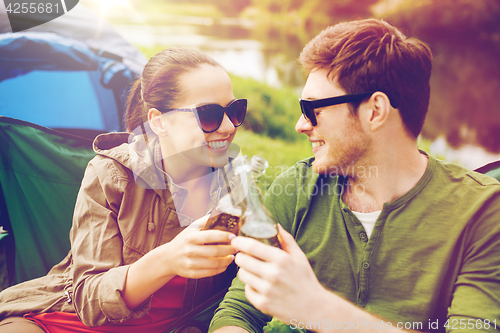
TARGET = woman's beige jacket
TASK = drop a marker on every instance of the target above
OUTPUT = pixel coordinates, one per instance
(125, 208)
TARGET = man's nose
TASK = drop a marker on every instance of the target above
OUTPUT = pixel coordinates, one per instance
(303, 125)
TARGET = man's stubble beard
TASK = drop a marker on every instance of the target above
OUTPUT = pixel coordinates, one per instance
(347, 155)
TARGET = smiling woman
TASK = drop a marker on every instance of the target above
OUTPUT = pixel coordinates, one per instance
(133, 263)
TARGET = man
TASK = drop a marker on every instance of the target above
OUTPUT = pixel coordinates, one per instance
(379, 235)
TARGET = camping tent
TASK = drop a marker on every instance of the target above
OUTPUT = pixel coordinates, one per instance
(63, 78)
(67, 74)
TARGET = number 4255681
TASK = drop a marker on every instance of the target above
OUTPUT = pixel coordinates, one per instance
(32, 8)
(470, 324)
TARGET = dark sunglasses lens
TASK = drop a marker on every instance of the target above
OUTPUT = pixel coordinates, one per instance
(237, 111)
(308, 112)
(210, 117)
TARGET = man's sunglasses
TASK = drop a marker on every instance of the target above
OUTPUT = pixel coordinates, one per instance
(308, 106)
(210, 116)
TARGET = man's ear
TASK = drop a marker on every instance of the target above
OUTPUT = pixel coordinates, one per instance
(156, 123)
(379, 110)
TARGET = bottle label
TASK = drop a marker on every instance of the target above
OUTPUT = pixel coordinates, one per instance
(223, 221)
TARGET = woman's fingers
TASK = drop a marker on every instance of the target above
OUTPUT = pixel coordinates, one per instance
(199, 223)
(202, 267)
(209, 237)
(210, 251)
(199, 253)
(202, 273)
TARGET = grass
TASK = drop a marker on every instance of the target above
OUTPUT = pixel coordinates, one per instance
(276, 326)
(280, 154)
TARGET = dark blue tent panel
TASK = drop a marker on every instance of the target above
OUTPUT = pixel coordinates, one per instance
(44, 50)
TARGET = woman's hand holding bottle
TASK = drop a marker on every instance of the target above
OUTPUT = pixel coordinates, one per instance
(191, 253)
(186, 255)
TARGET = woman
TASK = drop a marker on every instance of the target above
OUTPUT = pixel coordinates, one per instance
(133, 262)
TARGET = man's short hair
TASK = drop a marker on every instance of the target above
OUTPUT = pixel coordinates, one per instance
(372, 55)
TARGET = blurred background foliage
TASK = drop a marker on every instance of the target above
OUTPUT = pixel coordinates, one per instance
(464, 36)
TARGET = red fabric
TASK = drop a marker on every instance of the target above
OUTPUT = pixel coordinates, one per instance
(166, 306)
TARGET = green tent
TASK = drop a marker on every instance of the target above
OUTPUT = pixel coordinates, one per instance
(40, 174)
(491, 169)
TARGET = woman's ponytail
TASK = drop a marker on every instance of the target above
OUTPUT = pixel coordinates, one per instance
(135, 113)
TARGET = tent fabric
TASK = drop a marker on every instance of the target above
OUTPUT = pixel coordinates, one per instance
(69, 74)
(491, 169)
(27, 51)
(40, 175)
(83, 25)
(60, 83)
(61, 100)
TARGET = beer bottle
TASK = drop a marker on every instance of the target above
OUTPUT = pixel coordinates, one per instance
(229, 209)
(241, 211)
(256, 221)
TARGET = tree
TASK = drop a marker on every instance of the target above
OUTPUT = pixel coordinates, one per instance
(464, 36)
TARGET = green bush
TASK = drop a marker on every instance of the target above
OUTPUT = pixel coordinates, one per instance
(271, 112)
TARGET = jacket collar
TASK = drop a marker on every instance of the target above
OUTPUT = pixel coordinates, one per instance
(141, 154)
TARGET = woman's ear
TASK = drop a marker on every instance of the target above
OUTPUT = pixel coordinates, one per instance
(156, 123)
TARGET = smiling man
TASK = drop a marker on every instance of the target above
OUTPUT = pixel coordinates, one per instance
(379, 234)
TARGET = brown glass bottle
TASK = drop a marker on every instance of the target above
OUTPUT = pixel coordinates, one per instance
(225, 216)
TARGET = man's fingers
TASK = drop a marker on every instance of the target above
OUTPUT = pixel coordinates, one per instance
(260, 269)
(255, 248)
(288, 243)
(255, 297)
(256, 282)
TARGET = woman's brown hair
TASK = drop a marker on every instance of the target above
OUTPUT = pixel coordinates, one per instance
(158, 86)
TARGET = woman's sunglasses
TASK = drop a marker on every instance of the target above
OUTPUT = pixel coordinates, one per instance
(308, 106)
(210, 116)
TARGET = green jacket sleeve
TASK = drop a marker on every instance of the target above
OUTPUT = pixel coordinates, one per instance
(236, 310)
(476, 299)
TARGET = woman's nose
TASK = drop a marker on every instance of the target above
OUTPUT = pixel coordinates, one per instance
(226, 126)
